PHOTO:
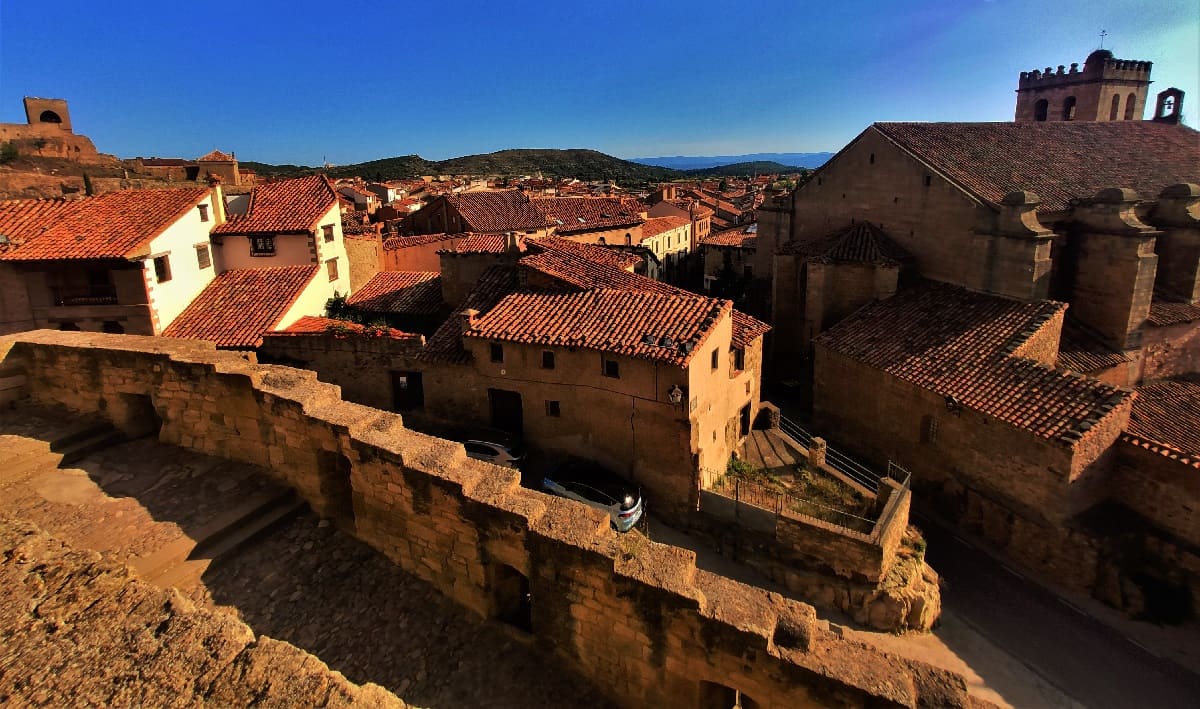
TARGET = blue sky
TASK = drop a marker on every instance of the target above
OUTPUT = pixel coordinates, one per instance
(300, 81)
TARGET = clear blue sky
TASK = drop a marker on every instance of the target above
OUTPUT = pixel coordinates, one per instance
(297, 81)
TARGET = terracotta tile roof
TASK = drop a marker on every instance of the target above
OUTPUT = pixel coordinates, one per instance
(484, 244)
(445, 345)
(598, 254)
(411, 292)
(746, 329)
(657, 225)
(664, 328)
(1167, 413)
(861, 242)
(959, 344)
(240, 305)
(1081, 351)
(576, 272)
(113, 225)
(216, 156)
(287, 206)
(578, 214)
(1166, 310)
(745, 237)
(22, 220)
(1059, 161)
(356, 189)
(404, 242)
(499, 211)
(355, 216)
(163, 162)
(700, 212)
(313, 325)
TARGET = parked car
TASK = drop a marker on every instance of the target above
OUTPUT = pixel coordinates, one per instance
(594, 486)
(498, 449)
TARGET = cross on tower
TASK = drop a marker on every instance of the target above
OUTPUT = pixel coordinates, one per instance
(1103, 34)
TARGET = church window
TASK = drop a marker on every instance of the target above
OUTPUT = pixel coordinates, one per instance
(1130, 103)
(1040, 109)
(1068, 113)
(1116, 108)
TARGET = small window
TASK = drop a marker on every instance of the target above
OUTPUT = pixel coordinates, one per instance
(716, 358)
(612, 368)
(262, 246)
(203, 209)
(929, 429)
(547, 360)
(928, 180)
(552, 409)
(739, 358)
(1130, 106)
(203, 256)
(162, 269)
(872, 158)
(1041, 110)
(1068, 112)
(327, 232)
(1115, 110)
(331, 267)
(629, 239)
(497, 352)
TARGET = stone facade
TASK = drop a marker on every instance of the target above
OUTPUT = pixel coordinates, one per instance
(637, 618)
(365, 255)
(1107, 89)
(48, 133)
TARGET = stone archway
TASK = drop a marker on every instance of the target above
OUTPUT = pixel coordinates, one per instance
(49, 117)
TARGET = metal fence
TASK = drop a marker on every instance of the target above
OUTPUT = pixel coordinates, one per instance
(785, 504)
(834, 458)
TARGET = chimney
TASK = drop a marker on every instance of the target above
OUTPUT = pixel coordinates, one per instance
(512, 243)
(218, 199)
(467, 319)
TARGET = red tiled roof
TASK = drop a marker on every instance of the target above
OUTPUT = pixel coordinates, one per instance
(578, 214)
(1080, 351)
(861, 242)
(746, 329)
(1167, 412)
(412, 292)
(216, 156)
(741, 237)
(959, 344)
(1057, 160)
(403, 242)
(313, 325)
(445, 345)
(484, 244)
(287, 206)
(360, 191)
(504, 210)
(24, 219)
(113, 225)
(657, 225)
(666, 328)
(1166, 310)
(598, 254)
(240, 305)
(699, 211)
(163, 162)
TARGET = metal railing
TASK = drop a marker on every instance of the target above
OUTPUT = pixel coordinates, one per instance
(834, 458)
(785, 504)
(85, 295)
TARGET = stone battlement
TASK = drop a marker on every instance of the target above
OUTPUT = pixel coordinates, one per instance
(637, 618)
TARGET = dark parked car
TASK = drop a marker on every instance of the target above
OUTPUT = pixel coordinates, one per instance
(594, 486)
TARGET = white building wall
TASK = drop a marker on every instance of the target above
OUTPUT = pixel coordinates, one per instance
(178, 241)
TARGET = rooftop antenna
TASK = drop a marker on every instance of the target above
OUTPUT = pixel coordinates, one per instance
(1103, 34)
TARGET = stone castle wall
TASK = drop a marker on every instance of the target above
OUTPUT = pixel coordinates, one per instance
(637, 618)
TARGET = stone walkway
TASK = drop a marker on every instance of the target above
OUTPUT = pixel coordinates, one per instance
(301, 581)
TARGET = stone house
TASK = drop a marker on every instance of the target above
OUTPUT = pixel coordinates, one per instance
(494, 212)
(364, 200)
(417, 253)
(287, 223)
(123, 262)
(605, 221)
(669, 241)
(666, 202)
(410, 301)
(733, 251)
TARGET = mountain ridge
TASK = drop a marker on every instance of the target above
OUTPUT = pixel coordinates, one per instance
(700, 162)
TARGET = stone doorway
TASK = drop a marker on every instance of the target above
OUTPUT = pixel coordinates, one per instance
(506, 411)
(336, 490)
(511, 598)
(719, 696)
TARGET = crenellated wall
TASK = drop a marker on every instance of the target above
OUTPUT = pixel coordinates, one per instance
(636, 617)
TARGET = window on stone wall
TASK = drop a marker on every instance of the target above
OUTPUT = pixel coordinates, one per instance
(552, 409)
(497, 352)
(547, 360)
(611, 368)
(1116, 108)
(162, 269)
(203, 209)
(1068, 113)
(716, 359)
(739, 358)
(262, 246)
(1041, 110)
(332, 267)
(929, 429)
(1130, 104)
(327, 232)
(203, 257)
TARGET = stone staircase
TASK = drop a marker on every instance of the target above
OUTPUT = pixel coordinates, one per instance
(29, 456)
(182, 563)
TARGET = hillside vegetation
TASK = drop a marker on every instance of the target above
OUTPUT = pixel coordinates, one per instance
(743, 169)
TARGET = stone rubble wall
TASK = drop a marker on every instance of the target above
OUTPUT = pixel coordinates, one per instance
(637, 618)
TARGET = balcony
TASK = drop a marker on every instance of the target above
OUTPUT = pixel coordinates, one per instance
(85, 295)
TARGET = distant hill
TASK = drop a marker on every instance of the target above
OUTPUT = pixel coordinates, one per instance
(581, 164)
(699, 162)
(742, 169)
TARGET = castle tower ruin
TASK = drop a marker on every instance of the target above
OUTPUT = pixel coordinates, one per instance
(1107, 89)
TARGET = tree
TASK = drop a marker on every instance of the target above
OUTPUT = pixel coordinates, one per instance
(8, 152)
(87, 185)
(39, 144)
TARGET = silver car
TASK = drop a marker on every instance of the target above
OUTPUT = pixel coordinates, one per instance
(596, 487)
(507, 453)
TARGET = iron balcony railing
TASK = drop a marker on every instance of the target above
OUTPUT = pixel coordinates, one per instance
(85, 295)
(834, 458)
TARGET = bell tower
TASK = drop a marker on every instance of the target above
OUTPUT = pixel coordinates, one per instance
(1107, 89)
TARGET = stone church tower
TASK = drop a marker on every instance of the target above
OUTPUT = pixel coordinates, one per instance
(1107, 89)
